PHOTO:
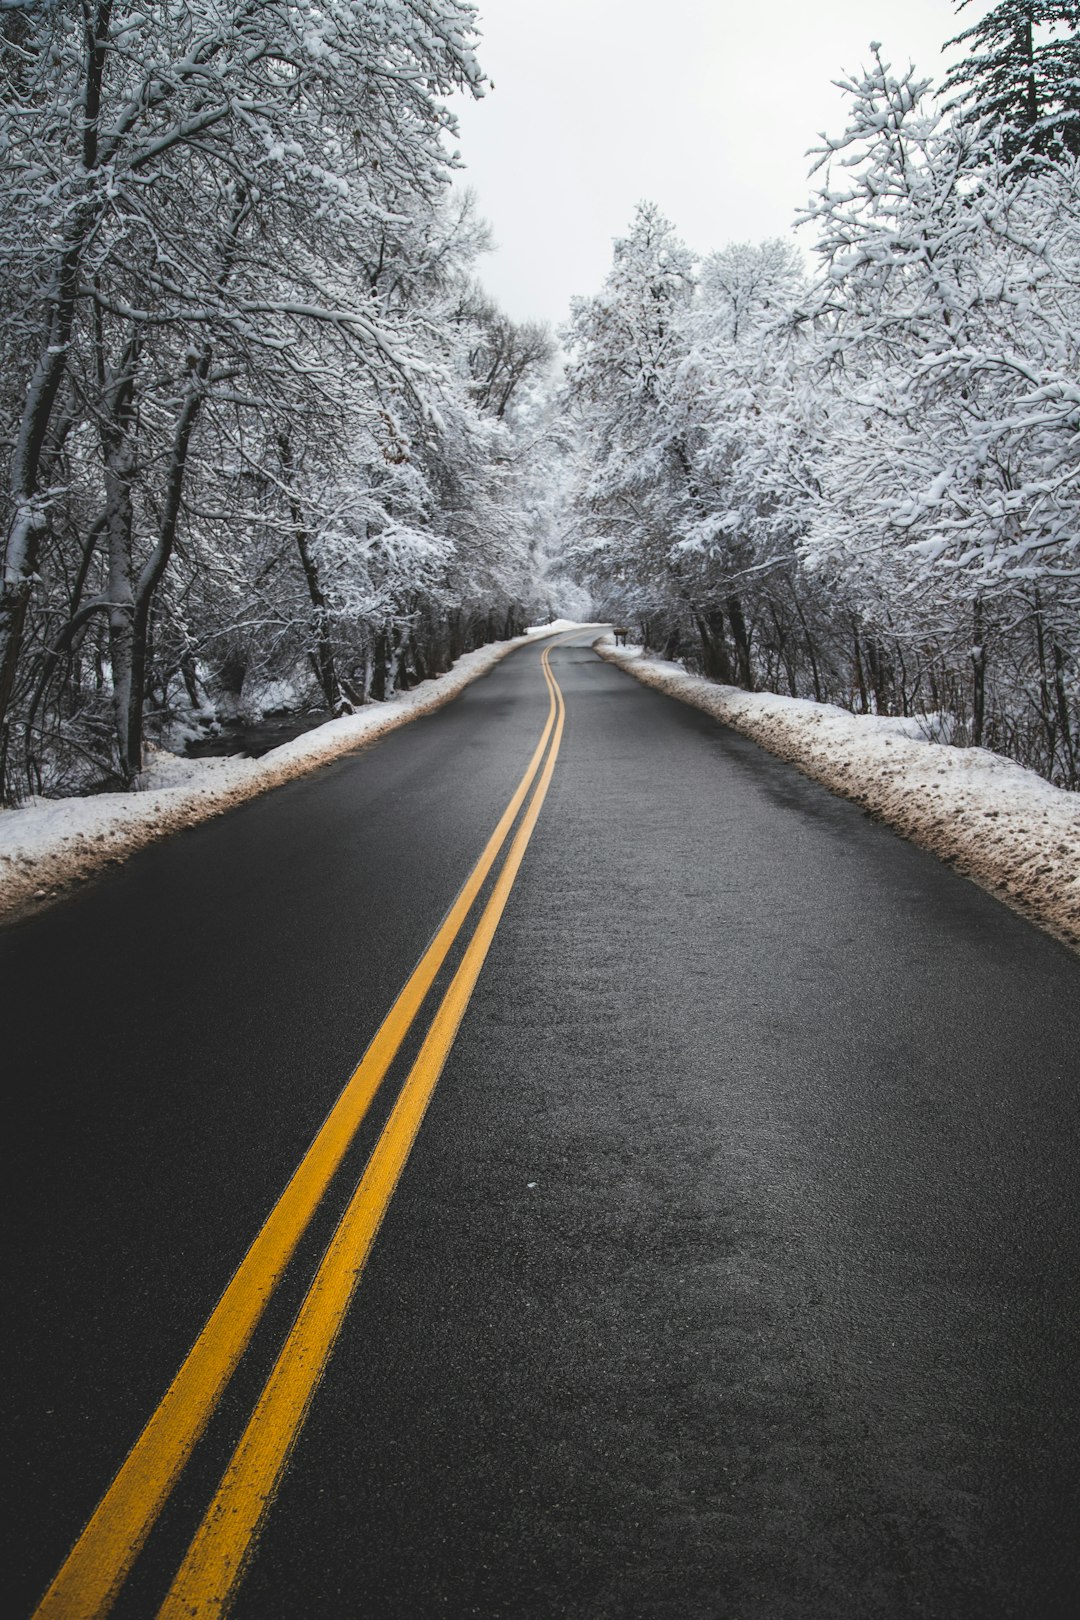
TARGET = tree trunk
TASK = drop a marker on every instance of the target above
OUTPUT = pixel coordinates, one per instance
(811, 652)
(741, 637)
(154, 568)
(29, 510)
(715, 661)
(860, 676)
(77, 617)
(1068, 744)
(1031, 98)
(121, 610)
(783, 650)
(456, 635)
(190, 677)
(380, 666)
(118, 392)
(29, 520)
(879, 676)
(1048, 712)
(323, 661)
(978, 684)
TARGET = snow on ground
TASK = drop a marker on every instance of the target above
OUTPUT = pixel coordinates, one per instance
(555, 627)
(993, 820)
(47, 844)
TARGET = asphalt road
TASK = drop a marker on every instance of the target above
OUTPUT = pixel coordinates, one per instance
(734, 1270)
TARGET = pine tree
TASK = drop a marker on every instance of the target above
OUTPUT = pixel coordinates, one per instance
(1024, 72)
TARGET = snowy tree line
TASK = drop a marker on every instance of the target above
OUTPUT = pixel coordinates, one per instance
(861, 484)
(264, 432)
(260, 423)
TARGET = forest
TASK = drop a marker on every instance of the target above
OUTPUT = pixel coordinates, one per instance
(860, 482)
(267, 440)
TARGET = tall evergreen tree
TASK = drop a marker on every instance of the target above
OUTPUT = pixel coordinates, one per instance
(1024, 72)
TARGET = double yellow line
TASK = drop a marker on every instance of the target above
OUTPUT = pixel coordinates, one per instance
(101, 1559)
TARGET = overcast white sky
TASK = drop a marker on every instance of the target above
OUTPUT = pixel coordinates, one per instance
(705, 107)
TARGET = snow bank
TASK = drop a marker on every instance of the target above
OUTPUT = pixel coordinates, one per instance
(46, 844)
(990, 818)
(555, 627)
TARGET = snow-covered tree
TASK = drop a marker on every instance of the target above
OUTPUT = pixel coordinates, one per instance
(245, 427)
(684, 381)
(1023, 73)
(863, 487)
(633, 477)
(184, 190)
(947, 314)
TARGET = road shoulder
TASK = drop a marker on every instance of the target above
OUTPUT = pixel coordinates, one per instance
(49, 845)
(1004, 827)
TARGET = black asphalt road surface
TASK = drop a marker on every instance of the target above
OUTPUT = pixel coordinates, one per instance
(735, 1270)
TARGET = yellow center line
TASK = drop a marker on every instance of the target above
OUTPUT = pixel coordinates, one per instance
(224, 1541)
(90, 1577)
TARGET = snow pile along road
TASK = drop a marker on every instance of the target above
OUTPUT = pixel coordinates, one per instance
(996, 822)
(47, 844)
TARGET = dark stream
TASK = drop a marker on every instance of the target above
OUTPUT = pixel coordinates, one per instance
(253, 739)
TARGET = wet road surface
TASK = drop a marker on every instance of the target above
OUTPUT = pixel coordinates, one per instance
(733, 1272)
